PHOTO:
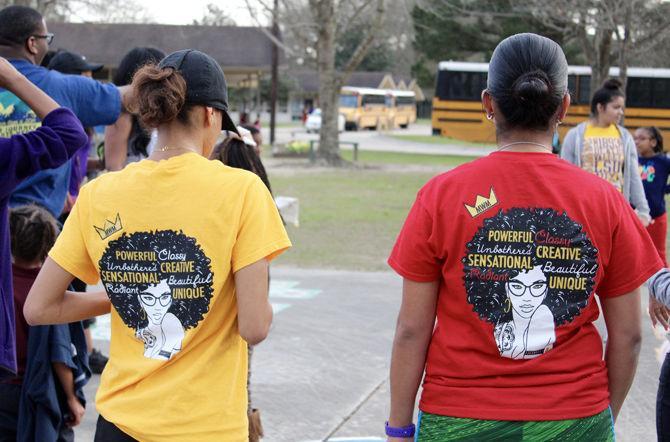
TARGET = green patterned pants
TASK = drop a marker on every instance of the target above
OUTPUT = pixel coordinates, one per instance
(435, 428)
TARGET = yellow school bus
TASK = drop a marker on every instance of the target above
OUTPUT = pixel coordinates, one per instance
(401, 108)
(457, 108)
(363, 107)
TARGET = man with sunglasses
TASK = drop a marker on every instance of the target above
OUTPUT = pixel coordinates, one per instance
(24, 41)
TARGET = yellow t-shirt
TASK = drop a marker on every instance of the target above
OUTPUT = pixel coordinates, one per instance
(603, 154)
(165, 238)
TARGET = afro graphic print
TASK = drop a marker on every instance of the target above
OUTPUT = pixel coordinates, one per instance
(160, 284)
(528, 271)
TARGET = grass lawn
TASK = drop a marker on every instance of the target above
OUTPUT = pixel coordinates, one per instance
(349, 219)
(287, 124)
(432, 139)
(380, 157)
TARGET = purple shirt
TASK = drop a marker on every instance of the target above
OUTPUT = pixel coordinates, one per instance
(49, 146)
(79, 168)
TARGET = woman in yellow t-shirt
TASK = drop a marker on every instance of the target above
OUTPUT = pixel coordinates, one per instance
(605, 148)
(181, 245)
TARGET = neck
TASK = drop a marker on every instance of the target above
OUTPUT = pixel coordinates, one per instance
(599, 123)
(525, 141)
(175, 141)
(15, 53)
(649, 154)
(520, 323)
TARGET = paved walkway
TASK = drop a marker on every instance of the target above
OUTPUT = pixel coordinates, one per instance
(323, 371)
(384, 141)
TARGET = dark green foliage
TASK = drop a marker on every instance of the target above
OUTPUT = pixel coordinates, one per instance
(469, 30)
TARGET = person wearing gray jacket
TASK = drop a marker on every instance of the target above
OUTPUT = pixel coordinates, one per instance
(606, 110)
(659, 301)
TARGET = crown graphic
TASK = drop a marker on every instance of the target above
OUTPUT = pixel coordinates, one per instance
(109, 228)
(482, 204)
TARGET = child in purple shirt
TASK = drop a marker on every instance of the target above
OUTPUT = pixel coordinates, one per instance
(49, 146)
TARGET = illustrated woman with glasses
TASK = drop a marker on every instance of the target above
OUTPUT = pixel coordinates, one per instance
(502, 259)
(163, 333)
(531, 331)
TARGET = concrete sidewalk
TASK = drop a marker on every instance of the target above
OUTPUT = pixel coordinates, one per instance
(322, 374)
(384, 141)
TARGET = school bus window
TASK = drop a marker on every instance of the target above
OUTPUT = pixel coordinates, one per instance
(572, 87)
(662, 92)
(584, 96)
(373, 99)
(464, 85)
(638, 92)
(456, 82)
(348, 100)
(442, 87)
(404, 101)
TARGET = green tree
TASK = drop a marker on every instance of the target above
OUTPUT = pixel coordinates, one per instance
(469, 30)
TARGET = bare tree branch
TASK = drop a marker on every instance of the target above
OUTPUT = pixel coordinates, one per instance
(362, 49)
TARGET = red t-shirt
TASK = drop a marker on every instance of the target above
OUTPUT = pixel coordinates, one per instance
(520, 242)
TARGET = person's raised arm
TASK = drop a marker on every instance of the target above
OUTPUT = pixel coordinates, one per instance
(623, 320)
(414, 329)
(254, 312)
(34, 97)
(60, 136)
(116, 142)
(49, 302)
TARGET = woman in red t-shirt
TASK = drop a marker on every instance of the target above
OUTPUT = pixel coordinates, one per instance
(502, 259)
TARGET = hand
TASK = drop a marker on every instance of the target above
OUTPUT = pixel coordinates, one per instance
(399, 439)
(658, 313)
(644, 219)
(8, 74)
(76, 411)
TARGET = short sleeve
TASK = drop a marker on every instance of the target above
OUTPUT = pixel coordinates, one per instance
(633, 258)
(261, 233)
(413, 255)
(70, 250)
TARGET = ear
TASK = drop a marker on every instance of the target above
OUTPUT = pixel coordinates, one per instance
(564, 107)
(600, 107)
(31, 45)
(209, 116)
(487, 103)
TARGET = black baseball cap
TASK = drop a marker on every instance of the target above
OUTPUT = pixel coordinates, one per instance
(68, 62)
(205, 82)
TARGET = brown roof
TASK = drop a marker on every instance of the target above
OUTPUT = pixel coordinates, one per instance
(232, 46)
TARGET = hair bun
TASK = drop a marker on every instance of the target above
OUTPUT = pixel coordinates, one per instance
(160, 95)
(613, 84)
(532, 86)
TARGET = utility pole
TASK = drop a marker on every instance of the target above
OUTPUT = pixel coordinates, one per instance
(275, 73)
